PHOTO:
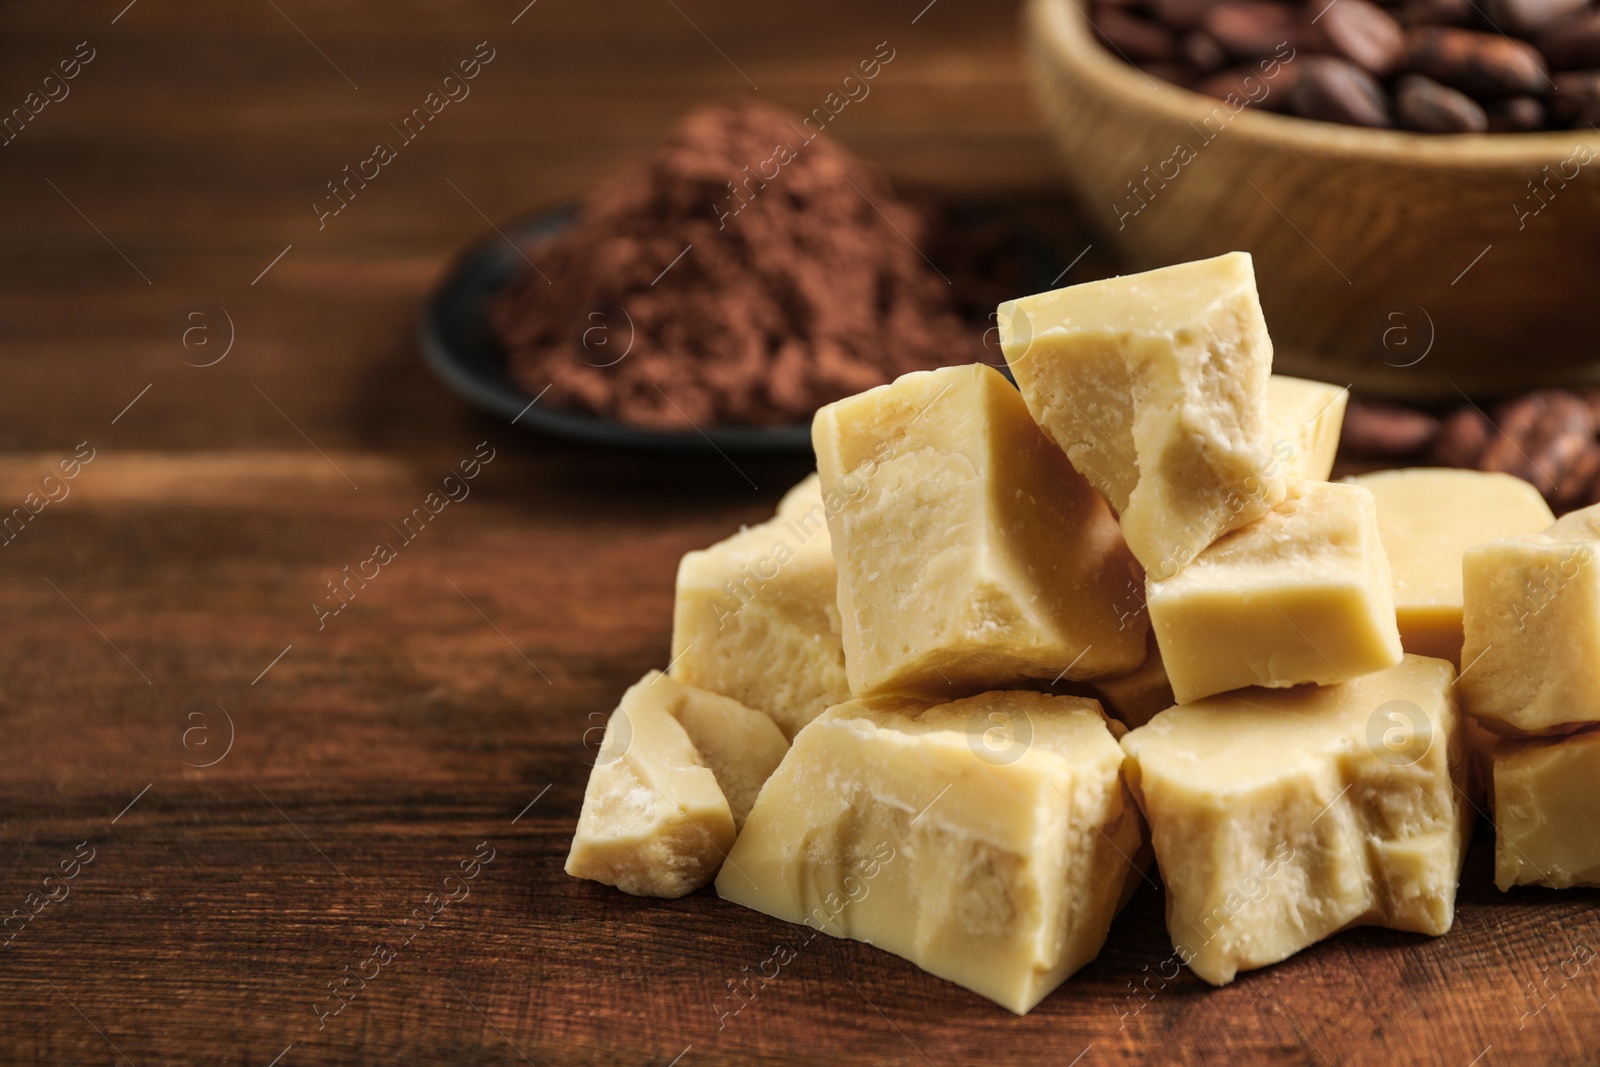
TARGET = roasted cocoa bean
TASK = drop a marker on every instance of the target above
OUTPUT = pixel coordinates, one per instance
(1176, 73)
(1462, 438)
(1482, 64)
(1248, 85)
(1347, 61)
(1438, 12)
(1375, 430)
(1138, 40)
(1365, 34)
(1251, 29)
(1420, 103)
(1539, 435)
(1529, 16)
(1336, 90)
(1180, 14)
(1201, 50)
(1516, 114)
(1578, 486)
(1576, 98)
(1573, 44)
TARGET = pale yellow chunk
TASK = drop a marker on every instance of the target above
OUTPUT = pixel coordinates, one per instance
(990, 841)
(1428, 517)
(1280, 817)
(1155, 385)
(1546, 797)
(678, 771)
(1301, 595)
(1305, 418)
(1531, 614)
(1135, 698)
(757, 617)
(973, 556)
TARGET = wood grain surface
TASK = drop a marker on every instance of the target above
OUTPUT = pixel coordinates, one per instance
(252, 801)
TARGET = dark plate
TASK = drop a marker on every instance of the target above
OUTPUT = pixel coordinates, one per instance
(459, 345)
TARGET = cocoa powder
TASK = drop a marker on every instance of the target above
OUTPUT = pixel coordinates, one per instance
(751, 272)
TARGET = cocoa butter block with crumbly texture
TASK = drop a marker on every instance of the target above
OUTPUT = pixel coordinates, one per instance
(1135, 698)
(678, 771)
(1305, 418)
(1531, 616)
(976, 556)
(990, 841)
(756, 616)
(1546, 810)
(1300, 595)
(1280, 817)
(1427, 518)
(1155, 386)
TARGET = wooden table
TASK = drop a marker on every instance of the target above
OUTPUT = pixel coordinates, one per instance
(251, 801)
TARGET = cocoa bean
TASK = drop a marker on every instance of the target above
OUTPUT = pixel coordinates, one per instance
(1420, 103)
(1251, 29)
(1482, 64)
(1365, 34)
(1202, 50)
(1336, 90)
(1573, 44)
(1582, 480)
(1591, 495)
(1385, 431)
(1539, 435)
(1462, 438)
(1437, 12)
(1250, 86)
(1516, 114)
(1576, 98)
(1524, 17)
(1179, 14)
(1565, 430)
(1176, 73)
(1138, 40)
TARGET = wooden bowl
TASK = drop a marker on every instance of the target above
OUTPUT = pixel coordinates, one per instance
(1409, 264)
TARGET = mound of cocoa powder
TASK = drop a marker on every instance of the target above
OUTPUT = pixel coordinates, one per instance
(751, 272)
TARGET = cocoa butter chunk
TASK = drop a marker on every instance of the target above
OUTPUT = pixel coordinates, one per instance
(757, 617)
(975, 556)
(990, 841)
(1301, 595)
(1424, 104)
(1480, 63)
(1280, 817)
(1135, 698)
(1531, 614)
(1155, 386)
(1305, 419)
(679, 769)
(1427, 519)
(1546, 809)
